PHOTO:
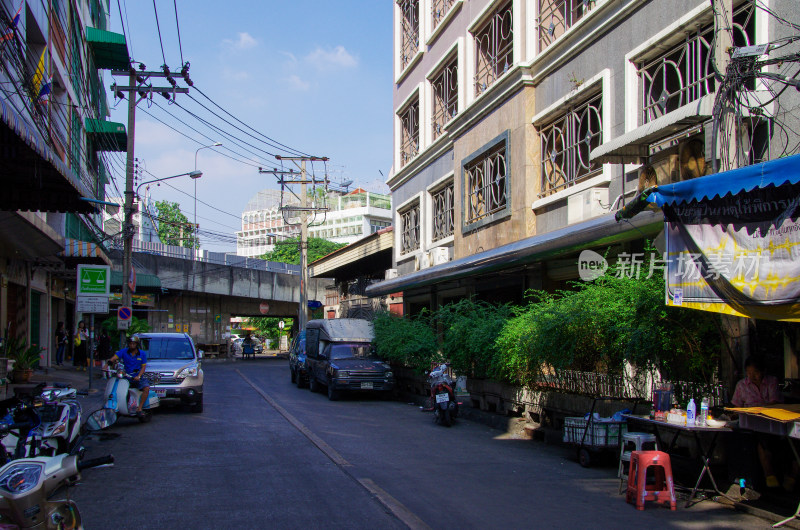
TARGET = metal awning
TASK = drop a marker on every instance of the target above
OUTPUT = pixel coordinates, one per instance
(109, 49)
(143, 281)
(370, 254)
(634, 146)
(107, 135)
(33, 176)
(85, 252)
(601, 231)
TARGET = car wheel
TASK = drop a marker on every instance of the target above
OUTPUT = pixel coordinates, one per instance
(301, 381)
(313, 384)
(333, 394)
(293, 375)
(197, 406)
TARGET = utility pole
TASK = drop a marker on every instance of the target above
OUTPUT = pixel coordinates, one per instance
(302, 179)
(137, 89)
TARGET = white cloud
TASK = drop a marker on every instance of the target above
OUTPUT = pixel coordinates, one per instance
(296, 83)
(245, 41)
(333, 59)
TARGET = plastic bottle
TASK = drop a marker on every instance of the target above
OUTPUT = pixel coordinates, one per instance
(691, 413)
(742, 487)
(701, 419)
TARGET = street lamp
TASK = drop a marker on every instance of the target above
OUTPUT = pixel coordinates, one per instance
(215, 144)
(194, 175)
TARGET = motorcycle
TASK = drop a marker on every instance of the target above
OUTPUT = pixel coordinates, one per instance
(28, 485)
(124, 399)
(443, 396)
(55, 415)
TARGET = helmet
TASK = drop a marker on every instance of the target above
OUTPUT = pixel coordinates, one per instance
(133, 338)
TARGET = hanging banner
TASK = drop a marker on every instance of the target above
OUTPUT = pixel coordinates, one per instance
(739, 254)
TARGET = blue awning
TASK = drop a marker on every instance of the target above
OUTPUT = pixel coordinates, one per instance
(774, 173)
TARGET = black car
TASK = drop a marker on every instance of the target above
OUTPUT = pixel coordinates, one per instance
(297, 360)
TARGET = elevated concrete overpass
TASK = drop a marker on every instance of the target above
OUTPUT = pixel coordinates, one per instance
(203, 294)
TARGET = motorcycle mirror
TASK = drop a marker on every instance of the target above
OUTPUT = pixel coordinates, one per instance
(101, 419)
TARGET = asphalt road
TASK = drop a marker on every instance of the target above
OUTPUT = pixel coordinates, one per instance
(265, 454)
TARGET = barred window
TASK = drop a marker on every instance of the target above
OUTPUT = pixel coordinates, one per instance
(409, 126)
(685, 72)
(557, 16)
(439, 9)
(445, 96)
(567, 143)
(486, 184)
(409, 31)
(494, 48)
(409, 236)
(443, 217)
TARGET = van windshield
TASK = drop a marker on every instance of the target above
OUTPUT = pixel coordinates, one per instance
(167, 348)
(351, 350)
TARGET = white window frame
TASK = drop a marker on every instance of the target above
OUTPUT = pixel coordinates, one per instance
(457, 49)
(428, 210)
(419, 92)
(400, 72)
(603, 80)
(417, 198)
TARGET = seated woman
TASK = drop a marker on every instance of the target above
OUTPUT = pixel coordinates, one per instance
(755, 390)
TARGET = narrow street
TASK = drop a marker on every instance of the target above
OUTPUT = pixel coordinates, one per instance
(265, 454)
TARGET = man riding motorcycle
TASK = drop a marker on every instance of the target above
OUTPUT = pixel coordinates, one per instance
(135, 362)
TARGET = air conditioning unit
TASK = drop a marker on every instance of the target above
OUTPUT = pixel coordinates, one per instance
(422, 261)
(391, 273)
(439, 255)
(587, 204)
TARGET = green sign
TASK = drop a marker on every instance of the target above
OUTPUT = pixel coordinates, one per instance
(218, 318)
(94, 279)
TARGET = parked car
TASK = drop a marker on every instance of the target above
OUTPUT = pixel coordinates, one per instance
(176, 361)
(297, 360)
(340, 355)
(258, 345)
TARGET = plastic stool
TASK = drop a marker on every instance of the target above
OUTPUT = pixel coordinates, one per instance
(633, 441)
(662, 492)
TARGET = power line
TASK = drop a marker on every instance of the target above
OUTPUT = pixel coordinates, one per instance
(178, 26)
(158, 27)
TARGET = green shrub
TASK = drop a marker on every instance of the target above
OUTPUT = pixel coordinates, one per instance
(408, 341)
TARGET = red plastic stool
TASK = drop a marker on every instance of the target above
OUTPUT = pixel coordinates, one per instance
(662, 491)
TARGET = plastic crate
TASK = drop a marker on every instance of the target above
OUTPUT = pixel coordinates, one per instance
(599, 433)
(755, 422)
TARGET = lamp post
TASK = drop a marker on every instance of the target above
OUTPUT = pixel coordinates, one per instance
(194, 175)
(215, 144)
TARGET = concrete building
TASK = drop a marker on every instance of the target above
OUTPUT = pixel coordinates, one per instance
(54, 138)
(521, 126)
(349, 217)
(145, 223)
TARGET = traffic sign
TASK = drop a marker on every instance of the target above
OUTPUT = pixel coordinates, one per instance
(263, 308)
(314, 304)
(186, 328)
(94, 279)
(217, 318)
(281, 324)
(123, 324)
(124, 313)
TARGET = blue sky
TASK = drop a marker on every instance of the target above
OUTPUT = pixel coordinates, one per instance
(313, 75)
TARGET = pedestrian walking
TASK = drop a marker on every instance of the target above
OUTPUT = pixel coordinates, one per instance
(61, 343)
(81, 340)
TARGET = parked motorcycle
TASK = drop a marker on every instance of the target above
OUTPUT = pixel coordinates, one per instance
(443, 396)
(28, 485)
(124, 399)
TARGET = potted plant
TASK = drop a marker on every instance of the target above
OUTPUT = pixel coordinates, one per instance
(25, 358)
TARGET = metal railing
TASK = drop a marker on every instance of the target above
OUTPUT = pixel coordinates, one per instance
(218, 258)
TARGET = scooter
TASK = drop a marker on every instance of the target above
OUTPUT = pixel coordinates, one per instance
(124, 399)
(445, 406)
(28, 485)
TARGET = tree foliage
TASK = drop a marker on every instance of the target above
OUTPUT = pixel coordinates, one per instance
(173, 226)
(137, 325)
(409, 341)
(288, 250)
(268, 327)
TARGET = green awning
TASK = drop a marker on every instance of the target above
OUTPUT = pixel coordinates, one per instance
(109, 49)
(143, 281)
(107, 135)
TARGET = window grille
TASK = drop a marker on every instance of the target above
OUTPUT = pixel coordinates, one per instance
(409, 143)
(409, 31)
(445, 97)
(567, 144)
(409, 220)
(486, 185)
(685, 72)
(439, 10)
(557, 16)
(494, 48)
(443, 213)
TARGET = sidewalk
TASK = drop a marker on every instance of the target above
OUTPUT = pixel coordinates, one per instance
(66, 375)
